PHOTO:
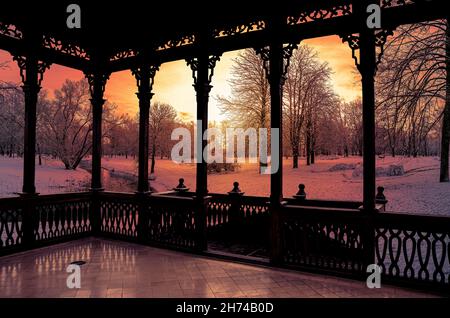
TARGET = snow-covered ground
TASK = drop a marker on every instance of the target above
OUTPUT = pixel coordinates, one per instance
(51, 177)
(416, 191)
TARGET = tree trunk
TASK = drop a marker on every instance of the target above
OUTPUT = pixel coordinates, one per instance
(445, 140)
(308, 149)
(295, 156)
(152, 168)
(39, 154)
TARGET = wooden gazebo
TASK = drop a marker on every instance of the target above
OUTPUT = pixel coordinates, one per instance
(337, 237)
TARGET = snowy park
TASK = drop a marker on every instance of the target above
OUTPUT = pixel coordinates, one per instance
(416, 190)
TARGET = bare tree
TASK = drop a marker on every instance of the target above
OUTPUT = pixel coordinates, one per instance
(249, 105)
(413, 89)
(66, 122)
(162, 121)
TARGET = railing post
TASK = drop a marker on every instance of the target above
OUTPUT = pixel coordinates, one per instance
(95, 213)
(28, 222)
(380, 200)
(201, 205)
(234, 214)
(143, 217)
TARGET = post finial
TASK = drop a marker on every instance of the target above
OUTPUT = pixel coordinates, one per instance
(301, 194)
(236, 189)
(181, 187)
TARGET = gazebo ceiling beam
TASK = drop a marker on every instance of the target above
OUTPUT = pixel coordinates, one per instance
(317, 26)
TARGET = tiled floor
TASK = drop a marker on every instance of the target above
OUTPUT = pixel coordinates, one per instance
(119, 269)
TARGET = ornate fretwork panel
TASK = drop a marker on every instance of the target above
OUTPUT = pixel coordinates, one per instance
(172, 225)
(394, 3)
(320, 14)
(65, 48)
(119, 217)
(218, 211)
(42, 66)
(327, 244)
(405, 254)
(380, 43)
(193, 64)
(10, 30)
(240, 29)
(11, 231)
(123, 55)
(182, 41)
(60, 220)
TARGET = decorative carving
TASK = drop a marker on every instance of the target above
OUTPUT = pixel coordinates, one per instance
(193, 64)
(240, 29)
(65, 47)
(405, 252)
(395, 3)
(320, 14)
(10, 30)
(380, 41)
(353, 42)
(123, 55)
(287, 54)
(264, 52)
(138, 74)
(22, 63)
(182, 41)
(99, 78)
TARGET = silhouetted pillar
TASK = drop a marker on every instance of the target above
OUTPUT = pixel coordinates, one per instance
(97, 82)
(276, 95)
(31, 72)
(144, 77)
(368, 69)
(276, 61)
(202, 71)
(202, 88)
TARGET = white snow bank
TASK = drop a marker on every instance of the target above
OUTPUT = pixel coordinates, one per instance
(51, 177)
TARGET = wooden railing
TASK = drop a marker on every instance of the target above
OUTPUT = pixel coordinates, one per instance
(28, 222)
(327, 236)
(167, 220)
(413, 249)
(318, 238)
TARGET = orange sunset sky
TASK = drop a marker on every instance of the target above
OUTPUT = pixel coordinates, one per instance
(173, 82)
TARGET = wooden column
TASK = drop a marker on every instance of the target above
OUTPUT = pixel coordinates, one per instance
(276, 177)
(202, 88)
(144, 77)
(97, 82)
(276, 95)
(276, 62)
(202, 71)
(31, 72)
(368, 68)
